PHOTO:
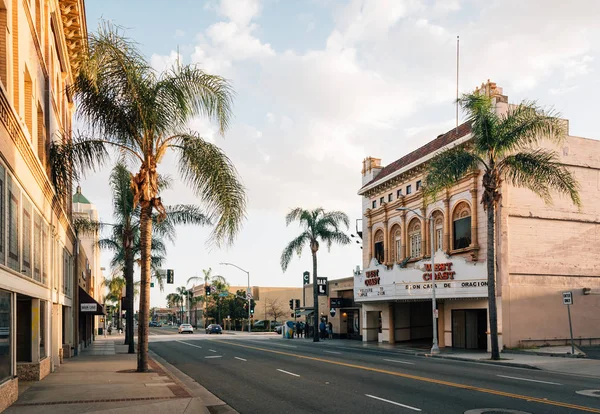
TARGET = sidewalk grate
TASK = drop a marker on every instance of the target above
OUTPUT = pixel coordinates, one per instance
(96, 401)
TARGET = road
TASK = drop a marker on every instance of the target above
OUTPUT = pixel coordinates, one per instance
(255, 374)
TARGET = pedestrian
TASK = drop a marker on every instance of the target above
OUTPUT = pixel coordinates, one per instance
(298, 329)
(306, 329)
(330, 330)
(323, 329)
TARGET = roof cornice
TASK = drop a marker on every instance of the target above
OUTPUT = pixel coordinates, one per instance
(74, 26)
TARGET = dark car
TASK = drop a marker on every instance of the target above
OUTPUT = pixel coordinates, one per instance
(155, 324)
(214, 328)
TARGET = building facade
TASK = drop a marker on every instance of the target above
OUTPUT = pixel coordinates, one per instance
(40, 44)
(542, 250)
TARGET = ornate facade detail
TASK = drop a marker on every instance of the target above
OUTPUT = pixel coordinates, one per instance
(378, 236)
(75, 30)
(414, 226)
(462, 210)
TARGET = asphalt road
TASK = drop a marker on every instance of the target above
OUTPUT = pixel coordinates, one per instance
(272, 375)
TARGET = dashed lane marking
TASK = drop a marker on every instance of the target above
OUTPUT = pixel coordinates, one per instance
(186, 343)
(529, 380)
(241, 359)
(399, 362)
(289, 373)
(393, 402)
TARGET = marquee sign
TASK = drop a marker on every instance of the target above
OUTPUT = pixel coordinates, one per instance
(454, 278)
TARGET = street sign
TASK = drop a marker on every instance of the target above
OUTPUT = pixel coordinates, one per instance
(332, 312)
(335, 302)
(436, 314)
(306, 278)
(213, 289)
(567, 298)
(249, 295)
(322, 286)
(223, 294)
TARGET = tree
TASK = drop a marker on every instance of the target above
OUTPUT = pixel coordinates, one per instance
(275, 309)
(115, 287)
(144, 115)
(504, 147)
(206, 278)
(194, 301)
(317, 225)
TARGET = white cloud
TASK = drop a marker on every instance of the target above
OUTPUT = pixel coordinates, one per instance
(240, 12)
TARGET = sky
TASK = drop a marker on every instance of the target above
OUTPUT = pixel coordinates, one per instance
(320, 85)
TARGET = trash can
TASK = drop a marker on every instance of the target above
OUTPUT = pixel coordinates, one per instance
(288, 329)
(100, 331)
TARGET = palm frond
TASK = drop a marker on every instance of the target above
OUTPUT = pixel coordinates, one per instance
(295, 246)
(540, 171)
(86, 226)
(160, 279)
(525, 125)
(445, 169)
(214, 179)
(333, 236)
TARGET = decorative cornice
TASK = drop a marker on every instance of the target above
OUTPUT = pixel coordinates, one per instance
(75, 30)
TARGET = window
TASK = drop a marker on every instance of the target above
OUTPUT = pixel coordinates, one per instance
(45, 252)
(390, 195)
(398, 193)
(418, 185)
(408, 189)
(14, 197)
(461, 227)
(26, 269)
(438, 223)
(5, 337)
(374, 203)
(397, 244)
(2, 216)
(414, 233)
(379, 249)
(381, 201)
(37, 246)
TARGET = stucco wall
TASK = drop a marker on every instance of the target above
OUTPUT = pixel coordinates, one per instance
(9, 392)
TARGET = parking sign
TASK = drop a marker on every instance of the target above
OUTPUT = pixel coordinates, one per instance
(567, 298)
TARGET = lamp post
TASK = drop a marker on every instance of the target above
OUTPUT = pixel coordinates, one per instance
(247, 293)
(434, 348)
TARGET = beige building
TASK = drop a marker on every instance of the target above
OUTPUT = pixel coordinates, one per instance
(542, 251)
(40, 44)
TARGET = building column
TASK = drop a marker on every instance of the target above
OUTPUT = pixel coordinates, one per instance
(474, 242)
(386, 247)
(392, 324)
(35, 330)
(447, 221)
(426, 234)
(403, 235)
(371, 243)
(441, 324)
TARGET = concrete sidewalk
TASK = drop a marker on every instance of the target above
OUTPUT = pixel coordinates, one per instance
(103, 379)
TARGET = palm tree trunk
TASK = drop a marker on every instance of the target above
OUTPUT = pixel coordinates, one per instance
(491, 275)
(145, 245)
(316, 299)
(129, 292)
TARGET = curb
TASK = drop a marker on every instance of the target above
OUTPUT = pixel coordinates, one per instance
(546, 354)
(486, 362)
(201, 397)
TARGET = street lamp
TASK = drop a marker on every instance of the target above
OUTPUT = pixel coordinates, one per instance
(435, 348)
(247, 292)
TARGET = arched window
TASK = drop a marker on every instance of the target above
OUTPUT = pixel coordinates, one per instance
(438, 230)
(414, 234)
(461, 226)
(379, 246)
(396, 243)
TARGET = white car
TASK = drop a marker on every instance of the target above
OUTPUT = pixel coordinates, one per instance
(186, 327)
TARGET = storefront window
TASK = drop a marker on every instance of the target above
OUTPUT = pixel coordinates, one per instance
(26, 237)
(379, 249)
(5, 339)
(43, 312)
(461, 228)
(2, 216)
(37, 247)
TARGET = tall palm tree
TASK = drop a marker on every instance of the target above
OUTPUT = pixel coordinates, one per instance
(207, 278)
(115, 287)
(318, 225)
(194, 301)
(504, 147)
(185, 295)
(144, 115)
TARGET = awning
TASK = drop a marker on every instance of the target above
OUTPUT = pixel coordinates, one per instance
(305, 312)
(88, 305)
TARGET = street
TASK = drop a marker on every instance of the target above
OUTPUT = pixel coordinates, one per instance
(269, 374)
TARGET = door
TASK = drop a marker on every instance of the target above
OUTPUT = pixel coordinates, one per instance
(469, 328)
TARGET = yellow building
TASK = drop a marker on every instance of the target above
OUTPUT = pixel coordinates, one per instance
(40, 45)
(542, 251)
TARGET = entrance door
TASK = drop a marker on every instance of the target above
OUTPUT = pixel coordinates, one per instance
(469, 328)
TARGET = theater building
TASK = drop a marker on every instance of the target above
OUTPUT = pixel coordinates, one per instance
(40, 45)
(542, 251)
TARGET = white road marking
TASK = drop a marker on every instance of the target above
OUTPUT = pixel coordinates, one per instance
(589, 393)
(287, 346)
(213, 356)
(241, 359)
(196, 346)
(333, 352)
(289, 373)
(399, 362)
(212, 350)
(393, 402)
(530, 380)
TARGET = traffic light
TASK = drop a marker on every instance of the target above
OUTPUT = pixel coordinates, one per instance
(252, 304)
(207, 290)
(292, 304)
(297, 303)
(170, 276)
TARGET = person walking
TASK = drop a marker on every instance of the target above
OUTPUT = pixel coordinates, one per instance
(330, 330)
(323, 329)
(298, 329)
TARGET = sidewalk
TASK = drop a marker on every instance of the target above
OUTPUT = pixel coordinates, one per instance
(103, 379)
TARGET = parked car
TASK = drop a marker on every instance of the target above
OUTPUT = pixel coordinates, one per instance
(276, 326)
(155, 324)
(186, 327)
(278, 329)
(214, 328)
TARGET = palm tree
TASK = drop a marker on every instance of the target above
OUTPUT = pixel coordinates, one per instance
(207, 278)
(194, 301)
(185, 295)
(504, 147)
(144, 115)
(115, 287)
(317, 225)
